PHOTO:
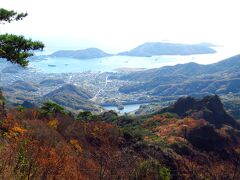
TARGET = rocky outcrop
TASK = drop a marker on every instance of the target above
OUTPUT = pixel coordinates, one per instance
(209, 108)
(207, 138)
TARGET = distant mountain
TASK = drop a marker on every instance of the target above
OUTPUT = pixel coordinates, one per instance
(89, 53)
(182, 79)
(72, 97)
(160, 48)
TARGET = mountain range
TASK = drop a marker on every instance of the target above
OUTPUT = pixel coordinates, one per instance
(191, 78)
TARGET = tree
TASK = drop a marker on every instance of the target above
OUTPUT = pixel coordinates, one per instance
(8, 16)
(50, 108)
(14, 48)
(152, 169)
(84, 115)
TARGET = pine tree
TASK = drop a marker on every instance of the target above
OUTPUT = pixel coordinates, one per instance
(14, 48)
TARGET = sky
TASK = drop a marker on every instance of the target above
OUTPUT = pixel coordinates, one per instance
(118, 25)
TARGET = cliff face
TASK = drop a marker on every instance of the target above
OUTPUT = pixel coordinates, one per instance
(210, 108)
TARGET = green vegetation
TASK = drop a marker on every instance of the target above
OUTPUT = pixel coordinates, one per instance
(84, 115)
(21, 109)
(153, 169)
(13, 48)
(8, 16)
(132, 132)
(24, 165)
(50, 108)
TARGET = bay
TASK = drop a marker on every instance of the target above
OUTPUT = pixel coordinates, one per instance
(110, 64)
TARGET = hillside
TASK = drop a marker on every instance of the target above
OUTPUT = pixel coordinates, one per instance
(19, 91)
(188, 79)
(25, 86)
(107, 146)
(228, 66)
(160, 48)
(172, 82)
(89, 53)
(72, 97)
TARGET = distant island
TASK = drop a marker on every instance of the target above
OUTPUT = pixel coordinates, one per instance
(89, 53)
(145, 50)
(159, 48)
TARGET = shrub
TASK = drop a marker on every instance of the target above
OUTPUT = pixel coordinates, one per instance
(134, 133)
(84, 115)
(53, 123)
(21, 109)
(169, 115)
(152, 169)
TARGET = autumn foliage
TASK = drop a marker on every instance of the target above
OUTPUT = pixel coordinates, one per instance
(60, 148)
(161, 146)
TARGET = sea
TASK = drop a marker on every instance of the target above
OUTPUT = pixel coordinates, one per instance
(112, 63)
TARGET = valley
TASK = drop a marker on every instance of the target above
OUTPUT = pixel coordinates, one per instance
(28, 85)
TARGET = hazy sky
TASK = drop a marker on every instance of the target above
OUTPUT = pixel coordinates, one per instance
(116, 25)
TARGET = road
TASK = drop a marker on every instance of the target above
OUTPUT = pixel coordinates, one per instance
(95, 97)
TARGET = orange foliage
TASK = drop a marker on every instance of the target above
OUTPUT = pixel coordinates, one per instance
(172, 129)
(53, 123)
(19, 130)
(15, 132)
(76, 145)
(52, 154)
(66, 149)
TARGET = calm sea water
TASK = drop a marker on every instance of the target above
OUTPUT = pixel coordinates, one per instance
(106, 64)
(127, 108)
(109, 64)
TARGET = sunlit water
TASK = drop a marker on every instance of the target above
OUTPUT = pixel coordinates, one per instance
(127, 108)
(109, 64)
